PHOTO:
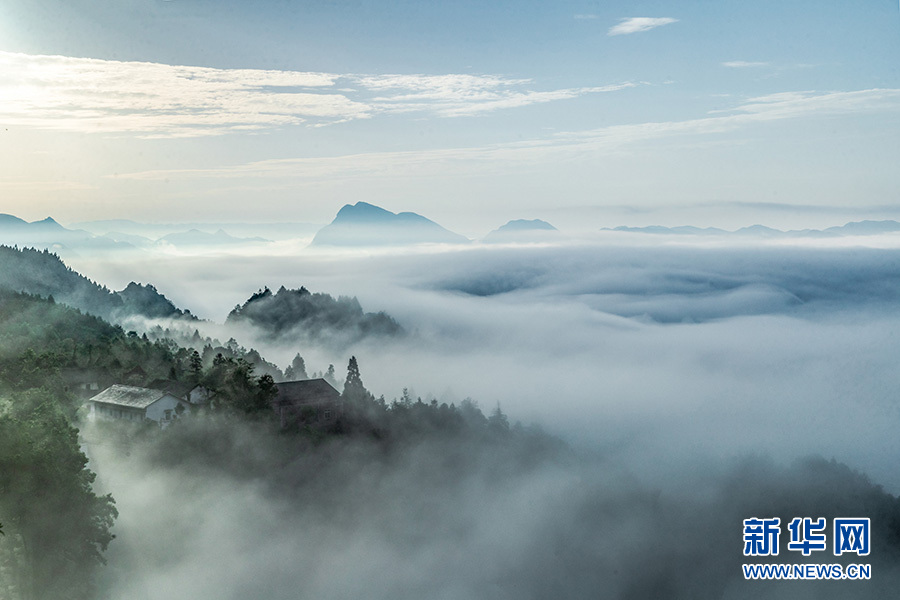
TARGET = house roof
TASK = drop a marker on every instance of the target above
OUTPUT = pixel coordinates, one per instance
(129, 396)
(307, 391)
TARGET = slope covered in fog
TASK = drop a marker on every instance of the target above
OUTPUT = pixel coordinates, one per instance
(43, 273)
(474, 506)
(195, 238)
(47, 233)
(314, 317)
(465, 514)
(855, 228)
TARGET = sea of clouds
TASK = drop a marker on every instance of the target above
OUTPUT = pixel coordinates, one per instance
(663, 365)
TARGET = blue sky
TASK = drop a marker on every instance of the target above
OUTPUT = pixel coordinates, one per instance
(586, 114)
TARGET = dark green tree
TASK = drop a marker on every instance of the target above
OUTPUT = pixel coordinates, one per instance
(498, 422)
(58, 528)
(265, 393)
(196, 363)
(296, 370)
(329, 376)
(354, 390)
(236, 389)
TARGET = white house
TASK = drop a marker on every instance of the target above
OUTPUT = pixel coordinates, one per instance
(191, 392)
(129, 403)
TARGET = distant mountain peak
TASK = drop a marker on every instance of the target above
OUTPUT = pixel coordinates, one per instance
(6, 219)
(364, 224)
(362, 211)
(527, 225)
(854, 228)
(48, 224)
(522, 230)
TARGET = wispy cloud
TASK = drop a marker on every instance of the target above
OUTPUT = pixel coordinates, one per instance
(743, 64)
(158, 100)
(639, 24)
(774, 107)
(89, 95)
(461, 95)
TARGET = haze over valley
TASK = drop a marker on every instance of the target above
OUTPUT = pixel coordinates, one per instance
(471, 300)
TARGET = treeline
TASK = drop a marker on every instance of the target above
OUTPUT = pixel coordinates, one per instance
(55, 529)
(43, 273)
(315, 317)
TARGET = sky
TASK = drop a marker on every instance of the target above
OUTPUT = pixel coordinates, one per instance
(584, 114)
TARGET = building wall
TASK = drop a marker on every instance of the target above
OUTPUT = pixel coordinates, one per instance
(199, 395)
(163, 411)
(98, 410)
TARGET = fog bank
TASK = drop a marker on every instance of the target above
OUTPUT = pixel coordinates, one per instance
(666, 353)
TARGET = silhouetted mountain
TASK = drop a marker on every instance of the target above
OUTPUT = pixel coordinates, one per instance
(865, 228)
(138, 241)
(760, 230)
(47, 233)
(659, 229)
(319, 317)
(364, 224)
(853, 228)
(11, 221)
(42, 273)
(523, 230)
(144, 300)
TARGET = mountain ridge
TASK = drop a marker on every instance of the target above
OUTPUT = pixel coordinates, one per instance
(865, 227)
(316, 316)
(523, 230)
(43, 273)
(364, 224)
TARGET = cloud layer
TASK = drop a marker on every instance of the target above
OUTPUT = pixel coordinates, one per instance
(158, 100)
(667, 352)
(639, 24)
(452, 100)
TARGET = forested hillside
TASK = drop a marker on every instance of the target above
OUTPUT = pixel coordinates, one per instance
(311, 316)
(441, 487)
(42, 273)
(55, 528)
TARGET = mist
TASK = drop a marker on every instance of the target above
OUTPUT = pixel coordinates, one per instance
(667, 352)
(696, 385)
(248, 514)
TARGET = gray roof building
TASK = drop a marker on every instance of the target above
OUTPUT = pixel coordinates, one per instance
(126, 402)
(307, 401)
(129, 395)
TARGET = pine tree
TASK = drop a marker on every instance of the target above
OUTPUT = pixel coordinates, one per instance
(329, 375)
(196, 363)
(353, 387)
(296, 370)
(498, 422)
